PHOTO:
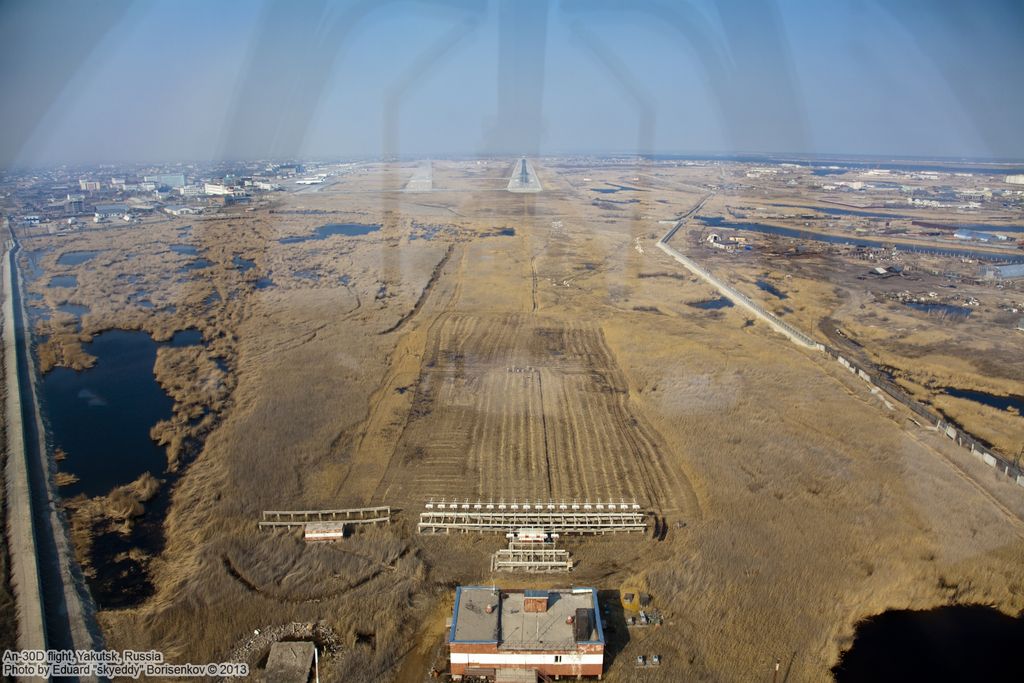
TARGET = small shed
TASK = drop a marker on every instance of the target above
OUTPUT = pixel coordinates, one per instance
(535, 600)
(325, 531)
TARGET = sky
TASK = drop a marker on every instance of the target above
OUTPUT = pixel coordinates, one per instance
(96, 81)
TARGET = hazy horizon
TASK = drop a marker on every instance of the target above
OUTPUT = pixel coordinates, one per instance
(131, 82)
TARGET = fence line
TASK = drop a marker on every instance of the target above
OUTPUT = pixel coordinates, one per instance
(870, 375)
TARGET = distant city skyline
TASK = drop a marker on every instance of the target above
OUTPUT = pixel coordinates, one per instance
(123, 81)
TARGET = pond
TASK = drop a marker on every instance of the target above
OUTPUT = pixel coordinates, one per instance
(940, 309)
(195, 265)
(953, 643)
(330, 229)
(243, 264)
(186, 337)
(63, 281)
(101, 416)
(615, 187)
(766, 286)
(184, 249)
(713, 304)
(999, 402)
(74, 258)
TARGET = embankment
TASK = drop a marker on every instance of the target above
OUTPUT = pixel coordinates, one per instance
(55, 609)
(21, 533)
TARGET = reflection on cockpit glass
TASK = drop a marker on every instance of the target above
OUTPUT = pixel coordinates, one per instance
(508, 341)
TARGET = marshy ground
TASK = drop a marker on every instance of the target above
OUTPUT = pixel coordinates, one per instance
(476, 343)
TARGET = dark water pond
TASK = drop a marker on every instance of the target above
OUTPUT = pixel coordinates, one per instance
(184, 249)
(713, 304)
(956, 643)
(999, 402)
(940, 309)
(243, 264)
(74, 258)
(101, 417)
(615, 187)
(187, 337)
(264, 283)
(63, 281)
(766, 286)
(195, 265)
(37, 313)
(325, 231)
(719, 222)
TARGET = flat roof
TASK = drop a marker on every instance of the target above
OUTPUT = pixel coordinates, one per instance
(471, 623)
(511, 627)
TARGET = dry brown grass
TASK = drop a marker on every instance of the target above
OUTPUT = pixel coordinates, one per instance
(817, 505)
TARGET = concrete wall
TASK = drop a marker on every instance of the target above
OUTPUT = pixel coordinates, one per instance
(21, 534)
(739, 298)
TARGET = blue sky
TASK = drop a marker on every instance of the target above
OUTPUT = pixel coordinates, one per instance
(123, 80)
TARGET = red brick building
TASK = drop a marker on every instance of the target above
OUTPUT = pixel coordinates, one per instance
(555, 632)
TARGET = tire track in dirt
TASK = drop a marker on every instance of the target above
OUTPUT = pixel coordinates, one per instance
(554, 475)
(423, 294)
(543, 411)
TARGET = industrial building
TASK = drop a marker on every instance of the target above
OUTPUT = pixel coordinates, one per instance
(498, 633)
(182, 210)
(218, 189)
(1007, 271)
(171, 180)
(1015, 179)
(108, 210)
(191, 190)
(978, 236)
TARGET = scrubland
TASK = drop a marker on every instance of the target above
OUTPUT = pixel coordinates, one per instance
(564, 361)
